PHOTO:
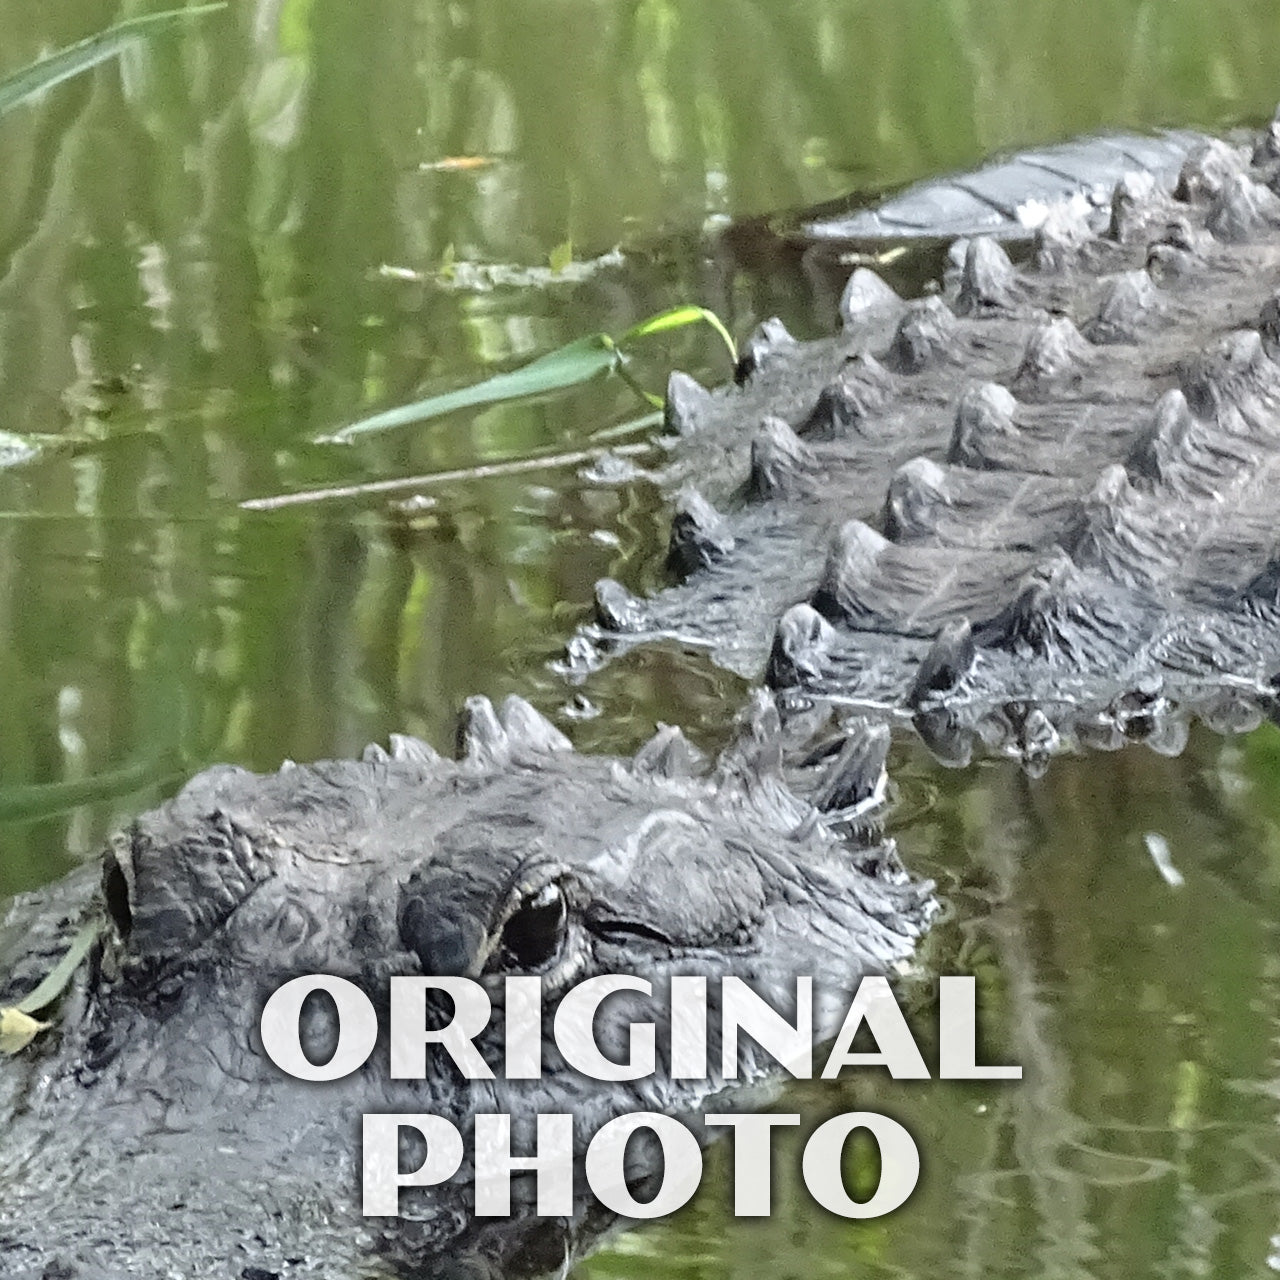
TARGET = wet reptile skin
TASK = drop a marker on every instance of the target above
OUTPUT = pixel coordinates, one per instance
(148, 1135)
(1037, 508)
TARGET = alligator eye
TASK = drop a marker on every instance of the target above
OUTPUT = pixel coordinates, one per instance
(535, 931)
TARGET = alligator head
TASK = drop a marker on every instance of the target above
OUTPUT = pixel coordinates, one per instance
(154, 1092)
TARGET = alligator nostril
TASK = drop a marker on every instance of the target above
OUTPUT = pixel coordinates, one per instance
(115, 889)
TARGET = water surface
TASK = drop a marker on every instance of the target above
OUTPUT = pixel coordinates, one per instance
(265, 225)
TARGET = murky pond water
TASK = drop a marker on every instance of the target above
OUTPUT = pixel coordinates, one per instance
(267, 224)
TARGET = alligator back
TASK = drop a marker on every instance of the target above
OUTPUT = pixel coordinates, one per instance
(1011, 197)
(1037, 507)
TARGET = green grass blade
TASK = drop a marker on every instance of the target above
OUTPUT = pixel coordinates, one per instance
(17, 1025)
(646, 396)
(57, 978)
(678, 318)
(39, 800)
(33, 80)
(567, 366)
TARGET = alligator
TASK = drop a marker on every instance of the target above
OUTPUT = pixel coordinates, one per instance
(521, 857)
(1009, 198)
(1032, 510)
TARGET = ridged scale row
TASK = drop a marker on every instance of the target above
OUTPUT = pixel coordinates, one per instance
(1038, 506)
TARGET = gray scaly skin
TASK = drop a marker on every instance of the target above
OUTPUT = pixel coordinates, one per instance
(1037, 509)
(148, 1135)
(1010, 197)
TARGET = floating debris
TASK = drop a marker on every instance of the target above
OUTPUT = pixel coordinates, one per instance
(15, 450)
(484, 277)
(580, 707)
(1158, 848)
(456, 164)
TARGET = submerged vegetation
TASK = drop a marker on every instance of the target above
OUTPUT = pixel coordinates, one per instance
(30, 82)
(201, 227)
(570, 365)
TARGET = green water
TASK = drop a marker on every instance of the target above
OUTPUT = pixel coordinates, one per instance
(261, 227)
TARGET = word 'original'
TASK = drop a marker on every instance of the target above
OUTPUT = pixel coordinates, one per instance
(747, 1029)
(788, 1040)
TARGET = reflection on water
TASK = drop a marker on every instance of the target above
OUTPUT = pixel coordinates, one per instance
(1143, 1140)
(249, 232)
